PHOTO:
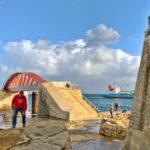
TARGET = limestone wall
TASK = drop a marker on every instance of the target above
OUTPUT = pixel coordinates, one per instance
(43, 110)
(137, 140)
(141, 104)
(138, 137)
(48, 105)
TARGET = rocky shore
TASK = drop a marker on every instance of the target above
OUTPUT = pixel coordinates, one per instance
(57, 134)
(105, 133)
(115, 127)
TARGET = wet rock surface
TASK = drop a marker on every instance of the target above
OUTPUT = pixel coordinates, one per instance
(45, 133)
(84, 135)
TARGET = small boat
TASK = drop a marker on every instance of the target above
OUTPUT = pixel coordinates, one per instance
(117, 93)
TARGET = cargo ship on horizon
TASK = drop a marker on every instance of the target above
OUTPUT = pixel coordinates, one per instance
(116, 92)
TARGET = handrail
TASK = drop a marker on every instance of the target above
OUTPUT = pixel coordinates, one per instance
(91, 104)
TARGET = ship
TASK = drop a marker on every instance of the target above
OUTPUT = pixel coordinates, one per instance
(116, 92)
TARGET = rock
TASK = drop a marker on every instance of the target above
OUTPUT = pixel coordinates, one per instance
(110, 130)
(114, 127)
(6, 117)
(11, 137)
(37, 145)
(71, 125)
(45, 135)
(59, 139)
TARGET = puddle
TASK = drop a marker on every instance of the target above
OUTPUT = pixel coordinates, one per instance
(8, 124)
(93, 127)
(86, 127)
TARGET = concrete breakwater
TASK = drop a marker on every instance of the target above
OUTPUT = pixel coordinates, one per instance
(43, 133)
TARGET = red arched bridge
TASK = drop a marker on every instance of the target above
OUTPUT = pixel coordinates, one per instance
(25, 81)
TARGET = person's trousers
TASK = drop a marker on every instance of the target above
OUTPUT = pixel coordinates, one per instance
(14, 117)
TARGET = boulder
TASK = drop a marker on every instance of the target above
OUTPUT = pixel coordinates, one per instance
(114, 127)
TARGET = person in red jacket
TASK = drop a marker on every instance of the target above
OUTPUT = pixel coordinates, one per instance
(19, 103)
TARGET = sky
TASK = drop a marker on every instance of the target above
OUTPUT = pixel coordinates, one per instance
(91, 43)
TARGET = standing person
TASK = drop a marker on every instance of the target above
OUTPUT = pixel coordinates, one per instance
(116, 107)
(19, 103)
(111, 112)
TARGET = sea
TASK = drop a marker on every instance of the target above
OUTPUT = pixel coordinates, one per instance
(101, 103)
(104, 104)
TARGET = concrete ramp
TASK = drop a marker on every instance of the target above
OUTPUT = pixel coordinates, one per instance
(68, 100)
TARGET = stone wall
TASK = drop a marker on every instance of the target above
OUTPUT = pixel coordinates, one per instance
(48, 107)
(43, 110)
(137, 140)
(141, 104)
(140, 116)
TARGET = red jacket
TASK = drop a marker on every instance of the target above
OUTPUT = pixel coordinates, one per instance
(19, 102)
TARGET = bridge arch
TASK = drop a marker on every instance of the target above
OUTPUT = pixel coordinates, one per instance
(25, 81)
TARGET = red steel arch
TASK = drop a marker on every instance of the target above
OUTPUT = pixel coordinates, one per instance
(22, 80)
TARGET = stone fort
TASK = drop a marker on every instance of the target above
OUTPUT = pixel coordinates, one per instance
(138, 137)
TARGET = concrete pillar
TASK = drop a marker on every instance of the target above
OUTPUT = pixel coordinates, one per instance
(43, 110)
(34, 103)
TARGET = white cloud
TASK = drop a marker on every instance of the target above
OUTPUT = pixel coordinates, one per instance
(3, 68)
(76, 60)
(101, 35)
(5, 71)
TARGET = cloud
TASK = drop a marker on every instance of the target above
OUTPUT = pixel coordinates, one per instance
(5, 71)
(88, 63)
(101, 35)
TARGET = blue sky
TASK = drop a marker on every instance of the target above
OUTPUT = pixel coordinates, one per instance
(63, 20)
(67, 20)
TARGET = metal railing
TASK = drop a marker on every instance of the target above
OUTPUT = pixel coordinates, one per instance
(91, 104)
